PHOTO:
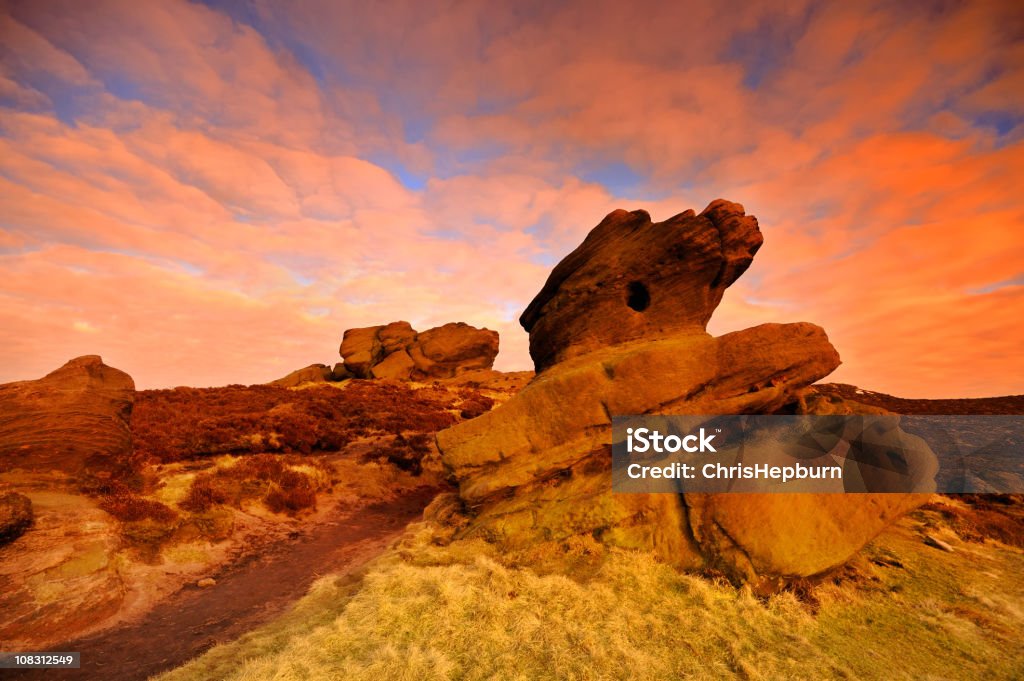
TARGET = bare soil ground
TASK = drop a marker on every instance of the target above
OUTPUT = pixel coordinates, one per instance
(246, 595)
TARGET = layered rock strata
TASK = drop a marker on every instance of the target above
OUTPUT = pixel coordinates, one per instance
(73, 420)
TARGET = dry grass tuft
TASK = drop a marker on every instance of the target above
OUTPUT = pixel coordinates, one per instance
(462, 611)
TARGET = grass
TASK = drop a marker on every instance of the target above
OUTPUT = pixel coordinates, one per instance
(902, 610)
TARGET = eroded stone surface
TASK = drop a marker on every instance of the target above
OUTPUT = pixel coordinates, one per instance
(59, 577)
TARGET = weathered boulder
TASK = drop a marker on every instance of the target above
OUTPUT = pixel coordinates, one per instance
(360, 349)
(619, 329)
(314, 373)
(395, 336)
(340, 373)
(15, 516)
(397, 365)
(397, 351)
(73, 420)
(453, 349)
(631, 278)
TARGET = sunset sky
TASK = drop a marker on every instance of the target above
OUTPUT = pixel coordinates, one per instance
(211, 193)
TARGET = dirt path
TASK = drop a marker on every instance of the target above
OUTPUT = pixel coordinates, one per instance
(247, 594)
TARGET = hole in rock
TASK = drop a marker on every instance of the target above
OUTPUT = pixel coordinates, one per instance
(638, 296)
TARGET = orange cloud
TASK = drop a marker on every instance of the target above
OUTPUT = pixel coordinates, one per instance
(205, 196)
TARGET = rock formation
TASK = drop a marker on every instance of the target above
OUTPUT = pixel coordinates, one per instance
(73, 420)
(397, 351)
(314, 373)
(619, 329)
(632, 279)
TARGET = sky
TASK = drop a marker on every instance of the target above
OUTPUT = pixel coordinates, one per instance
(211, 193)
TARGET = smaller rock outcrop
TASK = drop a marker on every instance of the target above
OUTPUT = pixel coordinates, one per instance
(15, 516)
(398, 351)
(314, 373)
(73, 420)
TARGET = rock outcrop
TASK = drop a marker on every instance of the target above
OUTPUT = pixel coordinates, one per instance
(619, 329)
(61, 577)
(314, 373)
(73, 420)
(398, 351)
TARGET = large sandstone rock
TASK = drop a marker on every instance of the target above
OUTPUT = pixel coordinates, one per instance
(360, 349)
(73, 420)
(631, 278)
(619, 329)
(397, 351)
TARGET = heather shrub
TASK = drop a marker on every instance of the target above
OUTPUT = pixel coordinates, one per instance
(171, 425)
(984, 516)
(127, 506)
(147, 536)
(203, 494)
(292, 492)
(404, 452)
(259, 476)
(475, 406)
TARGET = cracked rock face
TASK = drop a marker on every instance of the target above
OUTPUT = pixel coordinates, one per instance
(619, 329)
(397, 351)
